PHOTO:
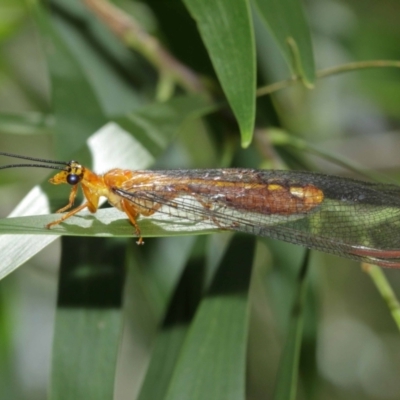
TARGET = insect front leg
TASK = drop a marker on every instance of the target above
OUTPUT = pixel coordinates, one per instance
(68, 215)
(91, 204)
(72, 196)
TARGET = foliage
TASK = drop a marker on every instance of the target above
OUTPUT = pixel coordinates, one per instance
(175, 84)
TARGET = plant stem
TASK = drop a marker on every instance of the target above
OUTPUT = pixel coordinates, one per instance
(128, 30)
(323, 73)
(384, 288)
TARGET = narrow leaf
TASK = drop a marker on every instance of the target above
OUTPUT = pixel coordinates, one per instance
(88, 319)
(26, 123)
(214, 353)
(226, 29)
(174, 327)
(286, 386)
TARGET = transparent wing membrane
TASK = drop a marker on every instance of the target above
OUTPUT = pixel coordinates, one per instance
(351, 218)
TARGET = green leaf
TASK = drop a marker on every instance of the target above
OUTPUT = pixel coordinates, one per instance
(287, 23)
(76, 107)
(214, 353)
(26, 123)
(227, 32)
(153, 273)
(286, 386)
(88, 319)
(109, 67)
(109, 222)
(7, 371)
(175, 325)
(83, 354)
(12, 14)
(154, 126)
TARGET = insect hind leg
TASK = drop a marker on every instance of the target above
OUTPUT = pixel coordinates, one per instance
(132, 212)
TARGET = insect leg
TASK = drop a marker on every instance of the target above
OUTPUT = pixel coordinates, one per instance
(208, 206)
(132, 213)
(67, 215)
(72, 195)
(92, 203)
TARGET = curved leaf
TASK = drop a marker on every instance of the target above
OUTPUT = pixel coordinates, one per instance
(214, 353)
(109, 222)
(227, 32)
(88, 319)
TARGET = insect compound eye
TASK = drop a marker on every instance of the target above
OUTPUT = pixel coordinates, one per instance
(73, 179)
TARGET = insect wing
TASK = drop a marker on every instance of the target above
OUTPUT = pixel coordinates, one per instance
(358, 220)
(354, 219)
(228, 198)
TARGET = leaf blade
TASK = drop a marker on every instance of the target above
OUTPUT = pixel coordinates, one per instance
(227, 32)
(214, 353)
(88, 319)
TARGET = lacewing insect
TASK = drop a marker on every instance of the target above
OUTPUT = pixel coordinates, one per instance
(347, 217)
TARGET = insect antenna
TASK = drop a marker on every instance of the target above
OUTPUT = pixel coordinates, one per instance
(33, 165)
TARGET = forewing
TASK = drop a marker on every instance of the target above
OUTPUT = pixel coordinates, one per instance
(356, 219)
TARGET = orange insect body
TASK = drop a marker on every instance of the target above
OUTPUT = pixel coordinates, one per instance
(95, 186)
(253, 196)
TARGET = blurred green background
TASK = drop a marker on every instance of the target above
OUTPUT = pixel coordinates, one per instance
(350, 347)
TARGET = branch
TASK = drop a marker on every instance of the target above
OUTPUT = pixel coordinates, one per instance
(128, 30)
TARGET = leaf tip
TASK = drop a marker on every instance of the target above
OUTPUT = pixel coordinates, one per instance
(246, 138)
